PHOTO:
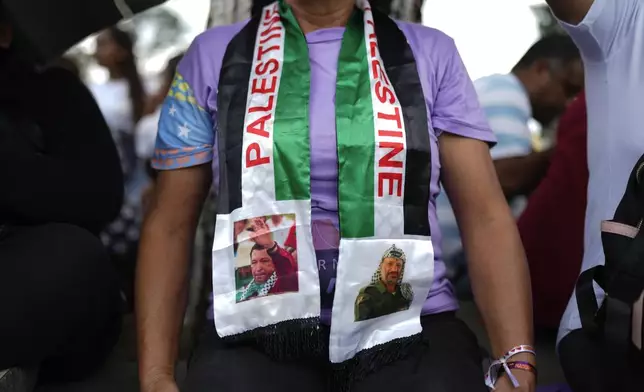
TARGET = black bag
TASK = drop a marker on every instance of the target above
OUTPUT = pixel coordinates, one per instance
(18, 134)
(618, 322)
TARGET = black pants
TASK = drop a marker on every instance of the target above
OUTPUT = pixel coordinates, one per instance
(60, 304)
(450, 363)
(589, 367)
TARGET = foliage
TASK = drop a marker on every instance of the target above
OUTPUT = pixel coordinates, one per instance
(547, 22)
(157, 30)
(408, 10)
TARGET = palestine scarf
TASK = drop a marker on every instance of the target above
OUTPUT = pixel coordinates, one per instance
(384, 168)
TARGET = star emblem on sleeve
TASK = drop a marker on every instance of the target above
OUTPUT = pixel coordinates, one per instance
(173, 110)
(184, 131)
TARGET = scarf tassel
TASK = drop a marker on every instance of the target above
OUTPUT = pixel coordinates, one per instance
(366, 362)
(285, 341)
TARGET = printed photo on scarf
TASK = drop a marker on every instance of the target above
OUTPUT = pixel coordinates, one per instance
(265, 256)
(293, 294)
(386, 293)
(379, 293)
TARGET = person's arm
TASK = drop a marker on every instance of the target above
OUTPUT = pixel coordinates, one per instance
(599, 27)
(185, 173)
(262, 236)
(161, 277)
(291, 238)
(508, 112)
(521, 175)
(496, 260)
(362, 307)
(78, 178)
(570, 11)
(283, 259)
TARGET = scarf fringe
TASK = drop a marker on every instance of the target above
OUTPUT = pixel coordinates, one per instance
(286, 341)
(345, 374)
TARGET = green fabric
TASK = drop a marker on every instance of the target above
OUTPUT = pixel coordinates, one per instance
(354, 126)
(355, 135)
(291, 146)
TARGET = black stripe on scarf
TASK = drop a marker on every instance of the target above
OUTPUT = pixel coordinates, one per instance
(400, 65)
(231, 110)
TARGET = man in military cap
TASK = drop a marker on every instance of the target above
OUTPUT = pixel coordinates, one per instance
(387, 293)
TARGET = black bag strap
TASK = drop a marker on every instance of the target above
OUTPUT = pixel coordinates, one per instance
(587, 300)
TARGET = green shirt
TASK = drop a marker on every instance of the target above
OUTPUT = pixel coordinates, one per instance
(375, 301)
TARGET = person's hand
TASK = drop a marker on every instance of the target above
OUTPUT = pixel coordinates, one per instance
(261, 233)
(527, 382)
(239, 226)
(165, 384)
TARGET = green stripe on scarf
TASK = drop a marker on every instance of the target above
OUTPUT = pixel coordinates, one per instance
(354, 126)
(292, 156)
(355, 135)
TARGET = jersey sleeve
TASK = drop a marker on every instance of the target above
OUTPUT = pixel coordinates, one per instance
(605, 26)
(508, 112)
(186, 135)
(456, 107)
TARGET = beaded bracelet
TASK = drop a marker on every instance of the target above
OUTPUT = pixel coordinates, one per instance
(492, 375)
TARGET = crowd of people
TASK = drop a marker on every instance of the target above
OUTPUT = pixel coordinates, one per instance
(439, 184)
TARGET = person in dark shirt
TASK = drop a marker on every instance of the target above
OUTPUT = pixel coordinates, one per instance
(60, 184)
(552, 225)
(386, 294)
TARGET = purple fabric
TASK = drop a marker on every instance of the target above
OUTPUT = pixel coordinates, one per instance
(451, 103)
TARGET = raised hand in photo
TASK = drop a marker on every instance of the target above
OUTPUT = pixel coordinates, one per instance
(261, 233)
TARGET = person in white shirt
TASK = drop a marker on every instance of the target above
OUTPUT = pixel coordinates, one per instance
(122, 98)
(146, 129)
(610, 36)
(122, 101)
